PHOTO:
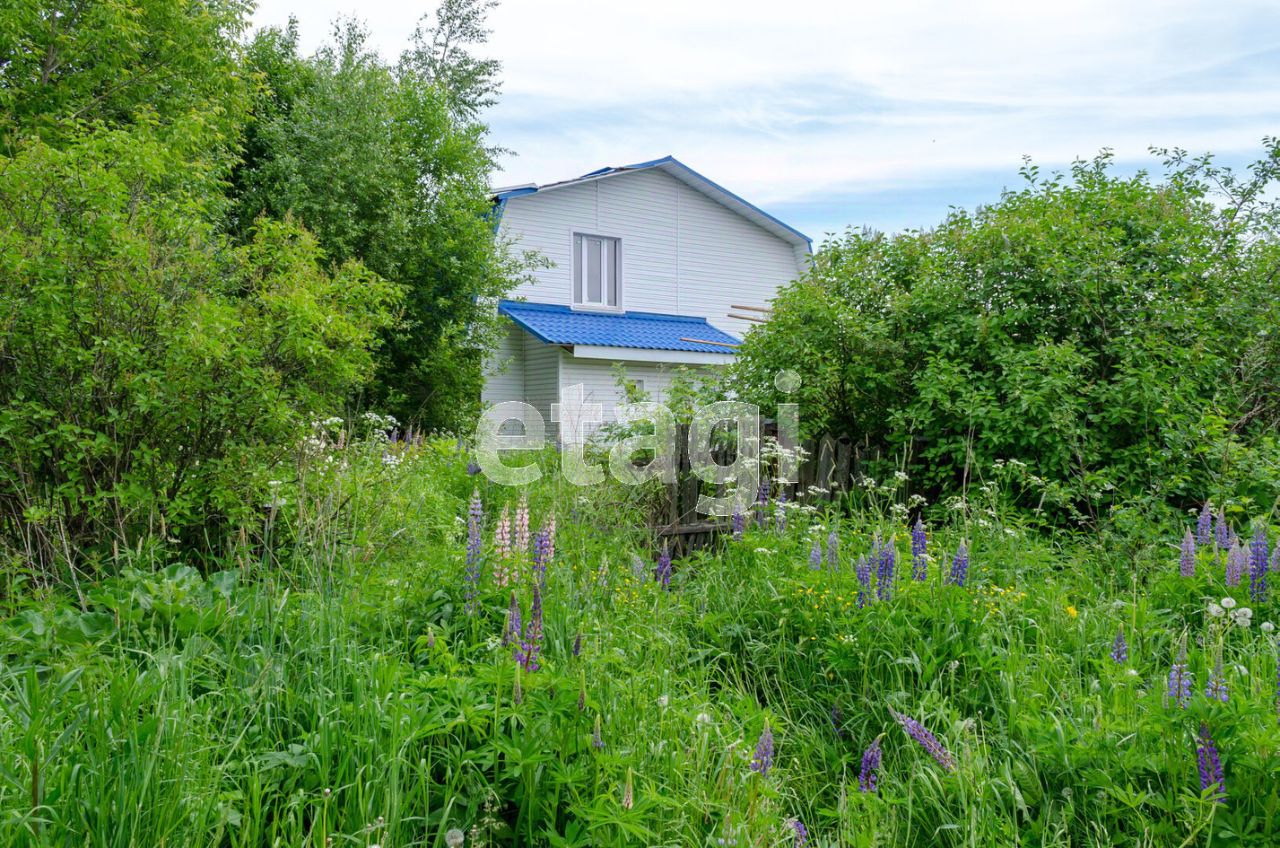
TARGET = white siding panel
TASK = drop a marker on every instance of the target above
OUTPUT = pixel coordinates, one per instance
(504, 369)
(682, 252)
(725, 259)
(541, 378)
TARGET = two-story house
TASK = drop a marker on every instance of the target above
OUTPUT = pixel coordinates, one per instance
(648, 266)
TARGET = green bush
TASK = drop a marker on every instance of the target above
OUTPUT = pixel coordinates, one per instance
(1115, 335)
(152, 376)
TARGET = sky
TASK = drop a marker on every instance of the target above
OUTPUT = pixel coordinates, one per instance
(838, 113)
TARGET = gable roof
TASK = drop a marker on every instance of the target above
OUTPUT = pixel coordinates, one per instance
(677, 169)
(563, 325)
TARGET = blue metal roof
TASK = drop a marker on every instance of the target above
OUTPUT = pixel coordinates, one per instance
(644, 330)
(676, 167)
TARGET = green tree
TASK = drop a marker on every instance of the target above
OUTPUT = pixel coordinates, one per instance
(152, 378)
(1092, 327)
(387, 165)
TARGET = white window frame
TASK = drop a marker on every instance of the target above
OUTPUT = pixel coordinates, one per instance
(578, 285)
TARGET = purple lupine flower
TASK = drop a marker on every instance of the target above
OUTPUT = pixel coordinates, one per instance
(1216, 688)
(780, 512)
(597, 739)
(472, 468)
(837, 720)
(1120, 648)
(511, 635)
(475, 520)
(885, 569)
(1210, 764)
(802, 835)
(763, 759)
(739, 524)
(762, 502)
(869, 776)
(541, 555)
(919, 550)
(927, 740)
(815, 555)
(960, 565)
(1178, 690)
(1237, 561)
(1259, 561)
(864, 581)
(1204, 526)
(663, 572)
(531, 640)
(1222, 531)
(1187, 564)
(577, 645)
(833, 550)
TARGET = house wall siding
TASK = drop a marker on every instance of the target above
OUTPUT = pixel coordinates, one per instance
(504, 368)
(541, 378)
(682, 252)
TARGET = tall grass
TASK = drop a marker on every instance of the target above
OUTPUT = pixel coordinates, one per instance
(328, 688)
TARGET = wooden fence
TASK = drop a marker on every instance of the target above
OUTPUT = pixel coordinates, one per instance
(830, 466)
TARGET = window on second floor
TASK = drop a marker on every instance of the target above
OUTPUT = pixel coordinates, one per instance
(597, 272)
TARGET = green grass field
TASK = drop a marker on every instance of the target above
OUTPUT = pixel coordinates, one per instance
(329, 686)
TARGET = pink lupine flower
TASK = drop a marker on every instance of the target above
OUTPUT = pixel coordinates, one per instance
(522, 525)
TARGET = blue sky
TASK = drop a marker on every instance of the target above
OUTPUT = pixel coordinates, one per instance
(835, 114)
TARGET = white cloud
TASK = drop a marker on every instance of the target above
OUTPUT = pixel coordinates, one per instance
(784, 102)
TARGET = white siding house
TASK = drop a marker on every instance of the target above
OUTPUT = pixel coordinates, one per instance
(647, 262)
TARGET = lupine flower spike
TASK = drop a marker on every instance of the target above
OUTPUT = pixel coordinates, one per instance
(1120, 648)
(1216, 688)
(1187, 563)
(864, 581)
(739, 524)
(1221, 530)
(531, 641)
(869, 776)
(1237, 561)
(502, 533)
(780, 512)
(885, 569)
(927, 740)
(541, 556)
(762, 502)
(763, 759)
(960, 565)
(919, 551)
(597, 740)
(1259, 562)
(663, 572)
(475, 520)
(815, 555)
(1204, 526)
(1178, 690)
(802, 835)
(1211, 777)
(522, 525)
